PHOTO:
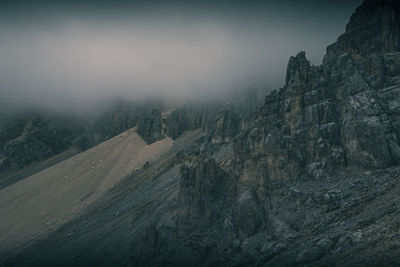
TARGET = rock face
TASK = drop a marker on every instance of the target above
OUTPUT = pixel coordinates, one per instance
(340, 117)
(373, 28)
(221, 121)
(186, 118)
(203, 195)
(31, 138)
(227, 124)
(343, 113)
(150, 126)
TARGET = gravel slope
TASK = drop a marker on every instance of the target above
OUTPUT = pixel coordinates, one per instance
(41, 203)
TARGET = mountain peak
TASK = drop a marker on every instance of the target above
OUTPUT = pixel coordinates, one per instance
(373, 28)
(297, 69)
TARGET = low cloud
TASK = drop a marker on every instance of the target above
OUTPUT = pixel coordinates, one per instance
(80, 61)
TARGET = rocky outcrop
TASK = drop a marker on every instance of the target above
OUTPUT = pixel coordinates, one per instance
(227, 124)
(150, 126)
(373, 28)
(222, 122)
(30, 138)
(204, 190)
(188, 117)
(338, 114)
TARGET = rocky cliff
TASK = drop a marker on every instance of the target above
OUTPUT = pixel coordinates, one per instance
(342, 114)
(290, 176)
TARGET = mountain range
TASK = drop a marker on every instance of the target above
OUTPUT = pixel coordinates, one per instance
(307, 177)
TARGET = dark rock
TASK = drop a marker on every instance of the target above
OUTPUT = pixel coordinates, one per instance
(325, 244)
(310, 255)
(186, 118)
(373, 28)
(340, 113)
(150, 127)
(248, 217)
(203, 191)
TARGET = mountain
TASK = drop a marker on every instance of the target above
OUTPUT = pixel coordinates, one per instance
(32, 139)
(310, 178)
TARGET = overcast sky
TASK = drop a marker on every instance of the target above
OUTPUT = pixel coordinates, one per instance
(74, 53)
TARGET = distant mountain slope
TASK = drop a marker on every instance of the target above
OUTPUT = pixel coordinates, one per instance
(39, 204)
(29, 137)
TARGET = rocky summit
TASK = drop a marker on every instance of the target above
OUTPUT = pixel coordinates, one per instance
(310, 178)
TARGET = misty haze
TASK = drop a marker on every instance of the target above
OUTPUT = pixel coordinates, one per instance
(208, 133)
(66, 55)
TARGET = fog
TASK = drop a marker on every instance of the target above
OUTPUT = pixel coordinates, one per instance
(73, 56)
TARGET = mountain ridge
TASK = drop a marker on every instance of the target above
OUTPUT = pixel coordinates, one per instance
(309, 179)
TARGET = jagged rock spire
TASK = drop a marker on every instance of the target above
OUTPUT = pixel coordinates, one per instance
(297, 70)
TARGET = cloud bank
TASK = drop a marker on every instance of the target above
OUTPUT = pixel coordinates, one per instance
(76, 59)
